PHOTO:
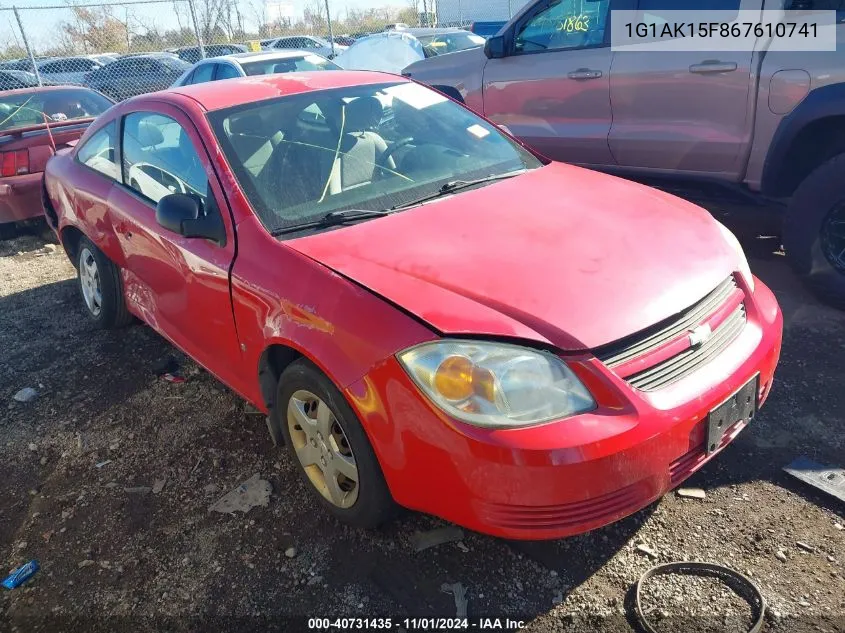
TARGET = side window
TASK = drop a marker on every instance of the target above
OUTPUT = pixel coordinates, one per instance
(225, 71)
(566, 25)
(129, 67)
(159, 158)
(83, 65)
(203, 73)
(52, 67)
(98, 153)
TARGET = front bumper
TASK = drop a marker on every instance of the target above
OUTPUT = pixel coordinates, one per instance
(570, 476)
(20, 198)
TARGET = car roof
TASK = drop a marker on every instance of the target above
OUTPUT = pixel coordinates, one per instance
(310, 37)
(157, 55)
(259, 56)
(61, 59)
(435, 31)
(216, 95)
(37, 89)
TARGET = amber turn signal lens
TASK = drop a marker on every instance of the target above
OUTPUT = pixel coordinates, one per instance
(453, 378)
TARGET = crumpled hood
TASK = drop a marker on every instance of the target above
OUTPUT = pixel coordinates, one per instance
(386, 52)
(559, 255)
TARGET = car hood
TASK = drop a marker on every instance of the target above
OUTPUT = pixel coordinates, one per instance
(385, 52)
(559, 255)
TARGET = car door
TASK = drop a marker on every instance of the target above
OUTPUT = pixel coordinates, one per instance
(551, 88)
(124, 79)
(180, 285)
(59, 71)
(682, 111)
(154, 75)
(77, 68)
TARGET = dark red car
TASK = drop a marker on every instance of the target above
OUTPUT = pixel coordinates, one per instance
(26, 144)
(432, 315)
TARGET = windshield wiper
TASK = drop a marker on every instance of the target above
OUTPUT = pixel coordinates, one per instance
(332, 218)
(456, 185)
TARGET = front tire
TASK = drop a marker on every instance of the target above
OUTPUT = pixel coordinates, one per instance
(101, 287)
(331, 449)
(814, 231)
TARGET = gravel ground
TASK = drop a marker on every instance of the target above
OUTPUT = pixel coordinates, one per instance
(108, 474)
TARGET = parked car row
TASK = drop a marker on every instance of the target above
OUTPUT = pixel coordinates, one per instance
(252, 64)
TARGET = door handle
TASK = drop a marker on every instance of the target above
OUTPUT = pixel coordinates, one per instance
(713, 66)
(584, 73)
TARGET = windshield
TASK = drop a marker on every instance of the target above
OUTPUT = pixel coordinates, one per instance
(288, 65)
(174, 62)
(368, 147)
(25, 110)
(450, 42)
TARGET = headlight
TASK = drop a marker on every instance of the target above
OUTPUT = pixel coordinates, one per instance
(496, 385)
(744, 268)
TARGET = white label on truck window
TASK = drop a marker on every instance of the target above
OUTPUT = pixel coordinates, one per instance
(477, 130)
(415, 95)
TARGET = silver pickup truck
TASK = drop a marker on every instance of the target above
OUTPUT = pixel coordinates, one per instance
(763, 127)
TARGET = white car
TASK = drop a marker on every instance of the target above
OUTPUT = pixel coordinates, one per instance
(250, 64)
(310, 43)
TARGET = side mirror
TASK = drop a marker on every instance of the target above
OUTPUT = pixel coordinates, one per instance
(182, 214)
(494, 47)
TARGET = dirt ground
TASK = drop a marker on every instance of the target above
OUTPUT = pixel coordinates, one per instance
(82, 467)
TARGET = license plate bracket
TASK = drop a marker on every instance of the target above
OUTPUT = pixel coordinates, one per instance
(742, 405)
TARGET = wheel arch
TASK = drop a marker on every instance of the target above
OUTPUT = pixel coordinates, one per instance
(71, 236)
(451, 92)
(272, 363)
(812, 134)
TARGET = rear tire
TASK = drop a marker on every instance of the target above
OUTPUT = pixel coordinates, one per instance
(101, 287)
(305, 395)
(814, 231)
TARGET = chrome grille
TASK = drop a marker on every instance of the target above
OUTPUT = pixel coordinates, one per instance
(633, 346)
(677, 367)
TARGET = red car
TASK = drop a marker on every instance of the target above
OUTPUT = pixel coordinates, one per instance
(432, 315)
(26, 144)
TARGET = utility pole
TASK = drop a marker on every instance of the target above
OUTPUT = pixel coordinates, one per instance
(329, 21)
(26, 43)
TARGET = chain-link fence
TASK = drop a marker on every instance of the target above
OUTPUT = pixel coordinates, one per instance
(127, 48)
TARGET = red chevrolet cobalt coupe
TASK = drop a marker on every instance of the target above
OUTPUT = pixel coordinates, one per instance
(431, 315)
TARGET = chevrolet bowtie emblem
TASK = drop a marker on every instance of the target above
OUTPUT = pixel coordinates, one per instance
(700, 335)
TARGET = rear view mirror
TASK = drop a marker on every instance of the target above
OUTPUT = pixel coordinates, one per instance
(182, 214)
(494, 47)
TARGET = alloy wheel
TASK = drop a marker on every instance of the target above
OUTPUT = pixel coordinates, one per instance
(323, 448)
(89, 279)
(833, 237)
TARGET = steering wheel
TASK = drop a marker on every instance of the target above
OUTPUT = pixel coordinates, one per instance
(381, 163)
